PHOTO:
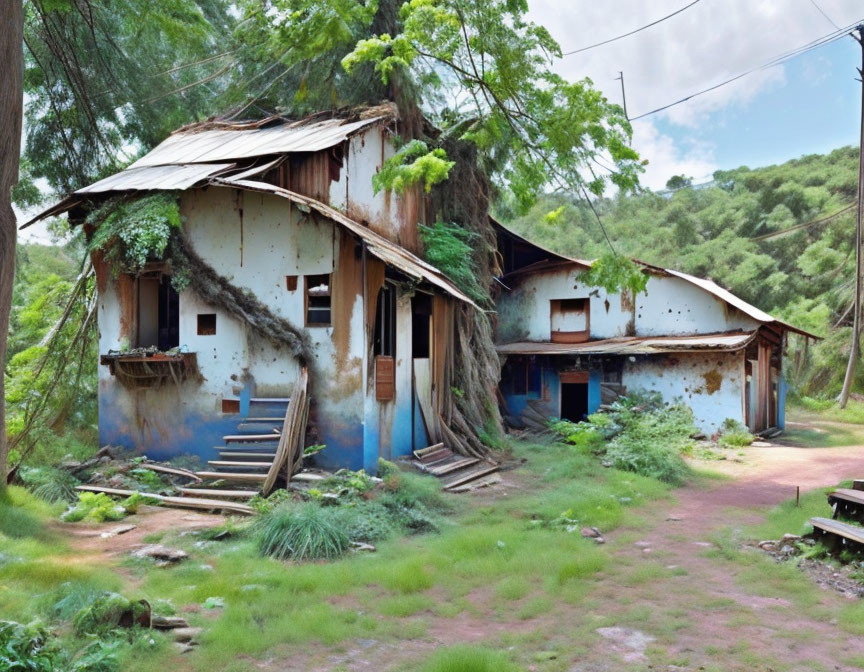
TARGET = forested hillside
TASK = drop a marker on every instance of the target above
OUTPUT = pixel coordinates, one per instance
(770, 235)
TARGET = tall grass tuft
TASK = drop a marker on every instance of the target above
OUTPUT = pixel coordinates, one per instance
(307, 532)
(468, 659)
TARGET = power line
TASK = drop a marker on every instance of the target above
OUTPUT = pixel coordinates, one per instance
(632, 32)
(778, 60)
(822, 12)
(798, 227)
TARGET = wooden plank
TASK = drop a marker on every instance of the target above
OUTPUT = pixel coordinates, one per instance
(228, 476)
(478, 483)
(239, 438)
(852, 532)
(307, 477)
(385, 378)
(247, 456)
(292, 436)
(428, 449)
(178, 502)
(858, 484)
(430, 458)
(847, 495)
(174, 471)
(453, 466)
(210, 492)
(471, 476)
(239, 465)
(263, 419)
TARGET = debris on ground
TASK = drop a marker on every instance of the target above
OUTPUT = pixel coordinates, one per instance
(163, 555)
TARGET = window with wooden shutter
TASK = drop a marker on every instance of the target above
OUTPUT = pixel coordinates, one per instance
(318, 300)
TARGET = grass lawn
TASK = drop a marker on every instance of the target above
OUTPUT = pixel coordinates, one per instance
(503, 559)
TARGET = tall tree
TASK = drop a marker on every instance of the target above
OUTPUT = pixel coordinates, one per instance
(10, 148)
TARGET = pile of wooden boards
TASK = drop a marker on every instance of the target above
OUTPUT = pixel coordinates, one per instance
(457, 472)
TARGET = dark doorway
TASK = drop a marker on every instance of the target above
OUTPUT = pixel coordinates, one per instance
(574, 401)
(421, 314)
(158, 313)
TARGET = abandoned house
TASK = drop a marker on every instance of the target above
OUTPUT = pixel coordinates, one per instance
(285, 212)
(567, 347)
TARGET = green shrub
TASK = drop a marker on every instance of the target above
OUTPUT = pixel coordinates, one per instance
(94, 507)
(639, 433)
(306, 532)
(369, 523)
(50, 484)
(136, 499)
(734, 435)
(415, 491)
(25, 648)
(148, 480)
(18, 523)
(108, 611)
(468, 659)
(414, 519)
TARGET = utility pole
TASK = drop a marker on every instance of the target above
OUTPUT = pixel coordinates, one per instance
(623, 96)
(859, 244)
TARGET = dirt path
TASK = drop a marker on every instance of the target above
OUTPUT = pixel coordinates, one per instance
(675, 598)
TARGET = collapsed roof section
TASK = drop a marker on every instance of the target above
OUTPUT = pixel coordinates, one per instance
(528, 257)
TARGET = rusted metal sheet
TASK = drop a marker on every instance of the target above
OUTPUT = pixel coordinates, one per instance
(385, 250)
(633, 345)
(178, 176)
(574, 377)
(222, 144)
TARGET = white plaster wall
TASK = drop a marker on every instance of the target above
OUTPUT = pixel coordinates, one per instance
(669, 306)
(689, 376)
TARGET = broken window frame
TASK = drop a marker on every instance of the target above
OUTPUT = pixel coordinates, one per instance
(561, 308)
(319, 302)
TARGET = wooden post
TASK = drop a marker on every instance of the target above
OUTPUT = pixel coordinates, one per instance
(859, 248)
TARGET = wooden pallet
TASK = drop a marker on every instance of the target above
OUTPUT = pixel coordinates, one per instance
(457, 472)
(179, 502)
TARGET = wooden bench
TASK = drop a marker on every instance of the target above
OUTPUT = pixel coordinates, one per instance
(838, 533)
(847, 501)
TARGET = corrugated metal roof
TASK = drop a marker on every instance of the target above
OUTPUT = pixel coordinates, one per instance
(179, 176)
(635, 345)
(210, 146)
(385, 250)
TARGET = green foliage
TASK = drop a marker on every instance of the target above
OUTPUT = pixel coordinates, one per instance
(615, 273)
(639, 433)
(305, 532)
(105, 612)
(448, 248)
(50, 484)
(734, 435)
(94, 507)
(468, 659)
(413, 164)
(133, 232)
(533, 128)
(23, 648)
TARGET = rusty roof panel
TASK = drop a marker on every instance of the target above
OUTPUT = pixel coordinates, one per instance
(222, 145)
(180, 176)
(634, 345)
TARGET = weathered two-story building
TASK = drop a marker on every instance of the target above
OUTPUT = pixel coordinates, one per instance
(286, 213)
(569, 347)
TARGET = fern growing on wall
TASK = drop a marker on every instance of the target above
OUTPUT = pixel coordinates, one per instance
(448, 248)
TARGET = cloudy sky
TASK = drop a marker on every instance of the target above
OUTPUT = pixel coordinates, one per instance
(810, 104)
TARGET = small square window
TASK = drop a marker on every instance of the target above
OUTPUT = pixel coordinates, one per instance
(206, 324)
(318, 300)
(291, 283)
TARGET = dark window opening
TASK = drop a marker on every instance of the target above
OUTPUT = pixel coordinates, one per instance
(206, 324)
(535, 379)
(570, 320)
(318, 300)
(613, 370)
(291, 282)
(158, 313)
(514, 376)
(421, 315)
(384, 340)
(574, 401)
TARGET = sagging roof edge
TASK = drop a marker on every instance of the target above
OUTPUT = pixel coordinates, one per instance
(636, 345)
(705, 285)
(377, 245)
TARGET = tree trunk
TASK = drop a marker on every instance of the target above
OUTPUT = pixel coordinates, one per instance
(11, 104)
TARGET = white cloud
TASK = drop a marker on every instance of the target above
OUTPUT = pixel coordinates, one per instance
(698, 48)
